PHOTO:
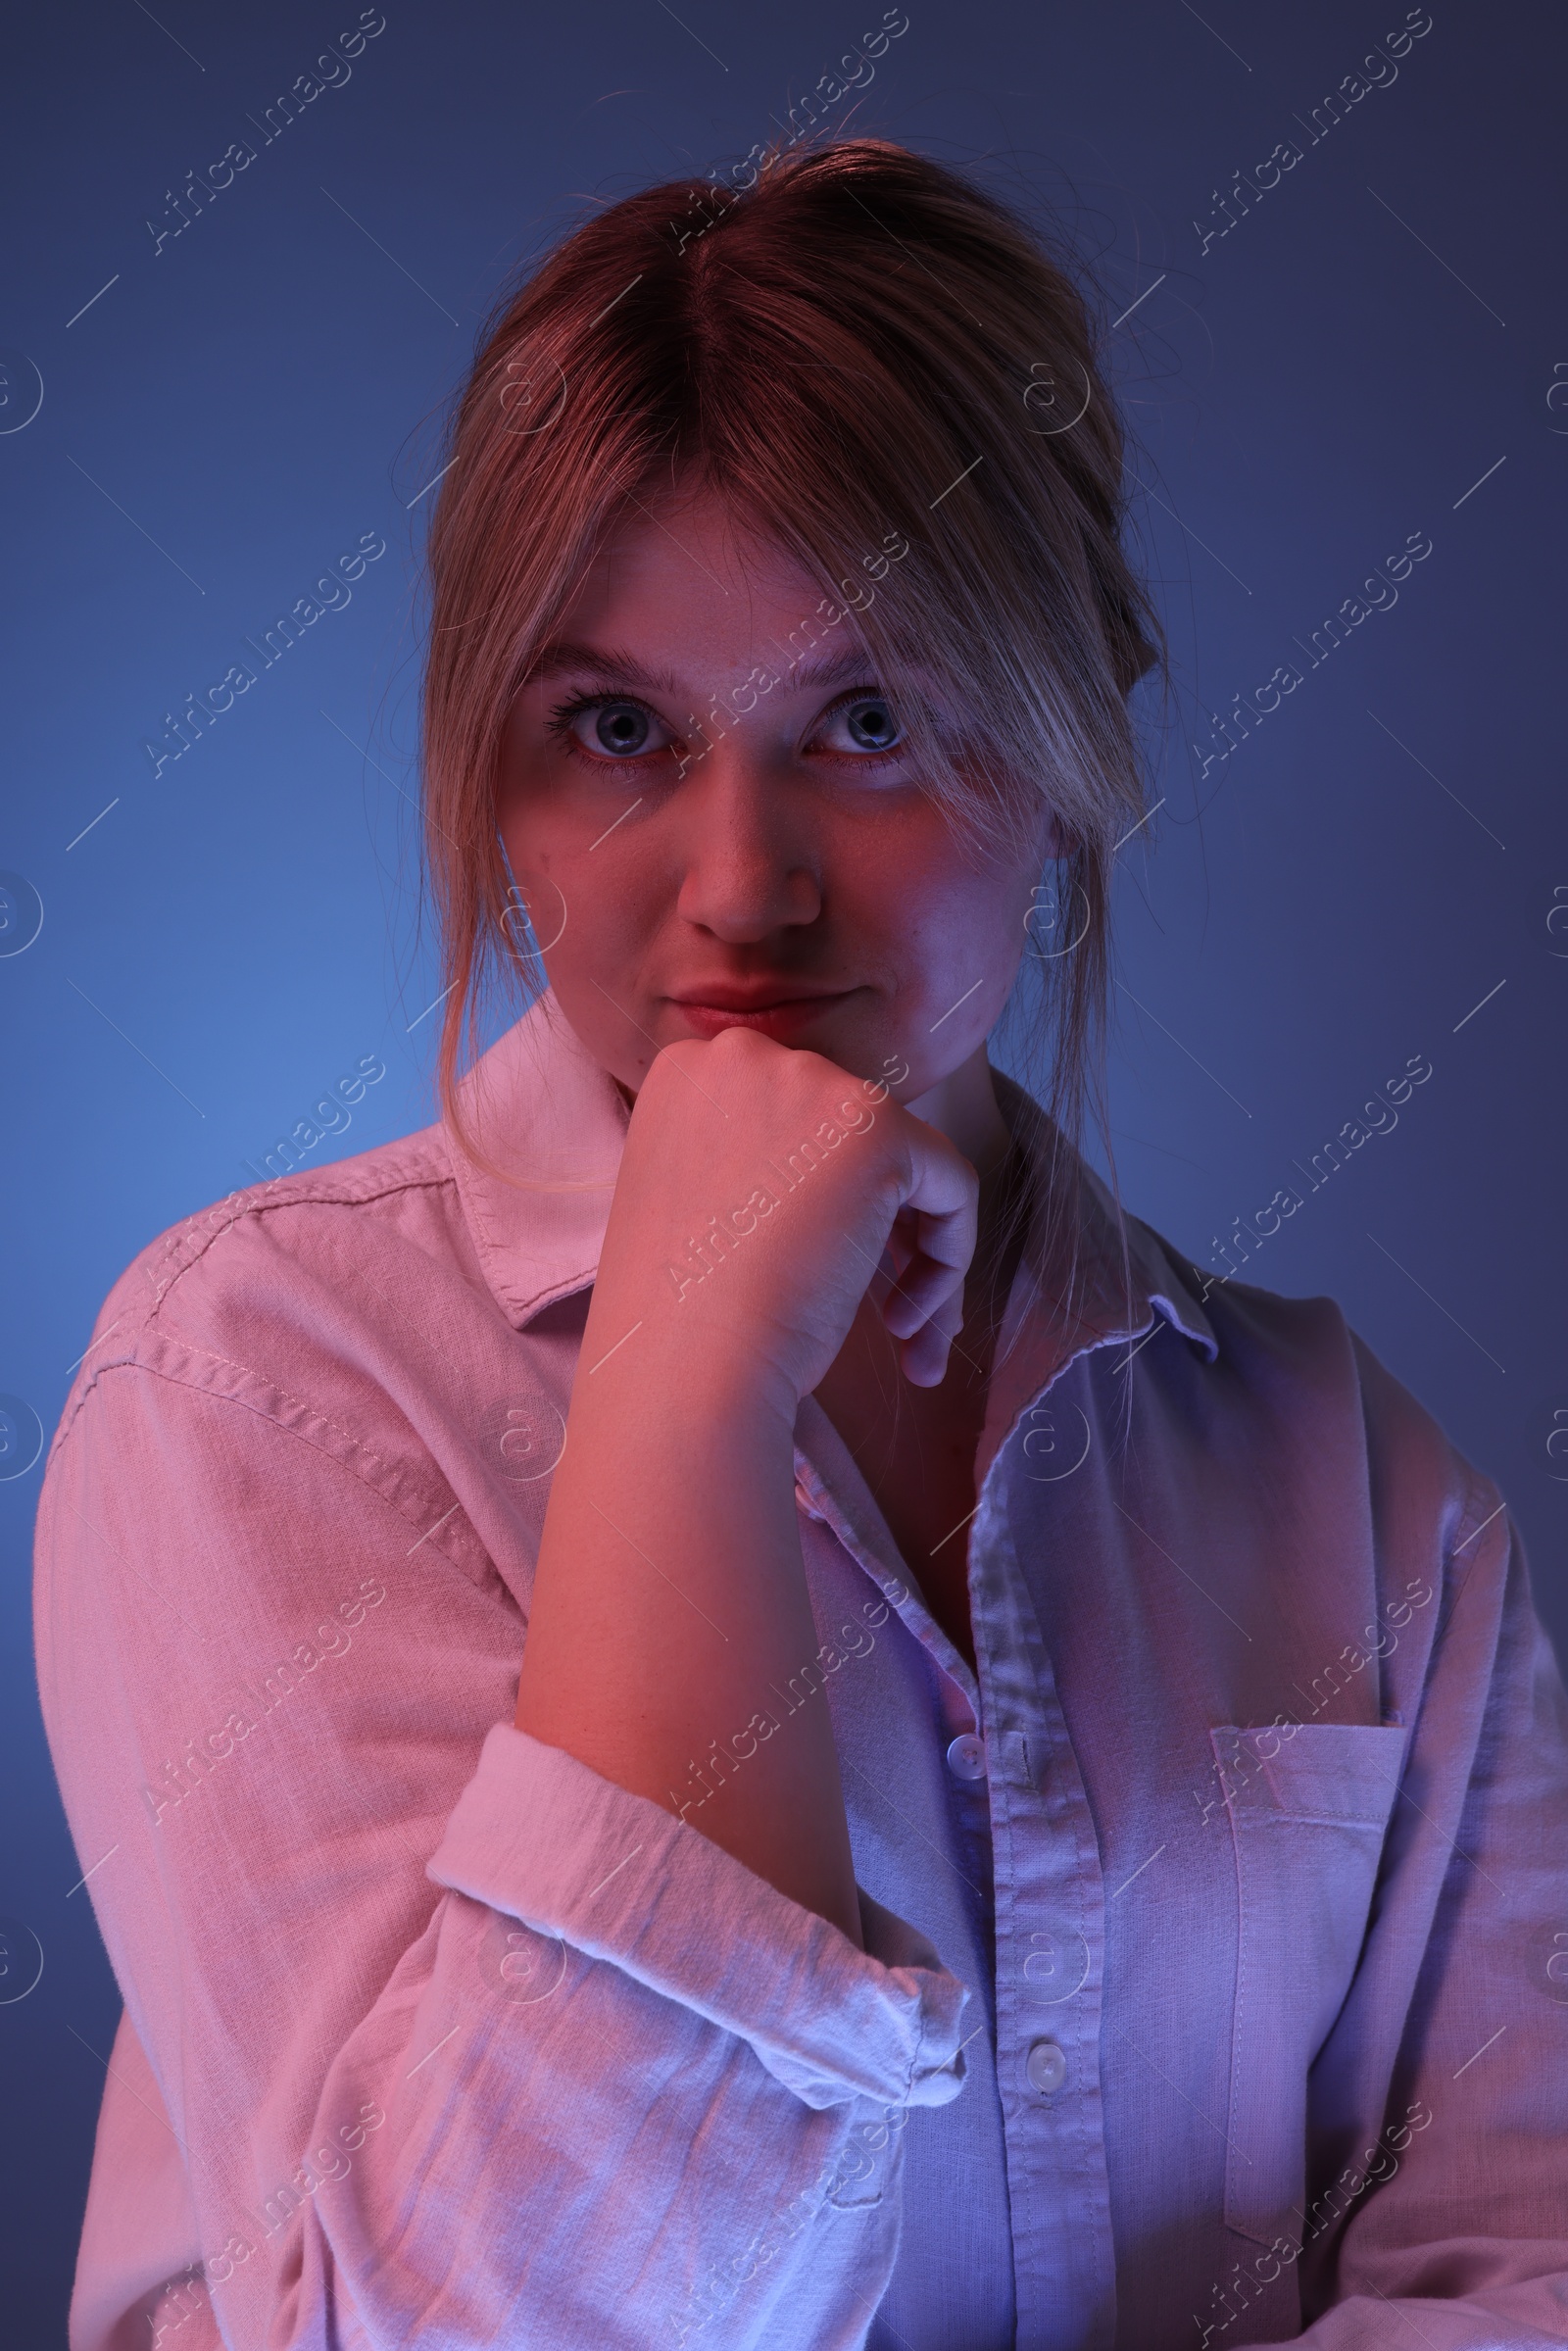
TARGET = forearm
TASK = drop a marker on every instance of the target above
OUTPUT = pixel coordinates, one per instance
(670, 1614)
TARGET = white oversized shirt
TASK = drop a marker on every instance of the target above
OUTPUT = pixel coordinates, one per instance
(1215, 1980)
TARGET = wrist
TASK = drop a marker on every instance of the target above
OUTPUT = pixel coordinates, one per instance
(698, 1365)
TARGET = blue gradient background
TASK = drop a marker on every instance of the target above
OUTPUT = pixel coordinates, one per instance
(231, 938)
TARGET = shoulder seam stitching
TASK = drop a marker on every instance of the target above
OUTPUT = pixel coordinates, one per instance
(153, 1371)
(265, 1208)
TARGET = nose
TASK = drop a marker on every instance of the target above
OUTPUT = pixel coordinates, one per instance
(751, 864)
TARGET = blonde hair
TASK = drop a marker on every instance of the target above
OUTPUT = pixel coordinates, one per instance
(876, 363)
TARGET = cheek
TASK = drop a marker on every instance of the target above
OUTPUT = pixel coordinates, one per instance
(960, 914)
(560, 901)
(939, 922)
(596, 920)
(970, 939)
(521, 813)
(587, 915)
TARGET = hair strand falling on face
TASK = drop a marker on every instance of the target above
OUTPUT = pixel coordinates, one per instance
(862, 345)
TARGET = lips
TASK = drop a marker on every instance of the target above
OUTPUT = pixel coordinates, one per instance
(718, 997)
(776, 1012)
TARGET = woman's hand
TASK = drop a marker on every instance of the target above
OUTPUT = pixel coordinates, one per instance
(762, 1191)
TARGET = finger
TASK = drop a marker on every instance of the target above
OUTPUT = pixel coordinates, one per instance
(939, 1215)
(944, 1244)
(940, 1209)
(900, 1247)
(925, 1285)
(923, 1358)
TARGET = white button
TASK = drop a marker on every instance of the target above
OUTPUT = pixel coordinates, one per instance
(967, 1757)
(1045, 2068)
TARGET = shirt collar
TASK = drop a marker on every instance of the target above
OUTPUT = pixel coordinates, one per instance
(1067, 1299)
(543, 1109)
(553, 1121)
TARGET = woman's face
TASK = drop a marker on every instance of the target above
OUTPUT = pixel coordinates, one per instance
(712, 818)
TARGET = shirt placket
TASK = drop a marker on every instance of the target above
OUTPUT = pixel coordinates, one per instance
(1050, 1954)
(1046, 1907)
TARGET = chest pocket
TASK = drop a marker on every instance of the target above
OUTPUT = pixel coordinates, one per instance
(1308, 1813)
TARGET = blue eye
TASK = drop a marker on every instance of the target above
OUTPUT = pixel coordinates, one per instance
(871, 724)
(862, 725)
(619, 728)
(611, 726)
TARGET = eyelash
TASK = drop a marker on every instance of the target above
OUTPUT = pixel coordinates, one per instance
(564, 713)
(559, 725)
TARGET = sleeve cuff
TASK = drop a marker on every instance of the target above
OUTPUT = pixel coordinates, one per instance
(541, 1836)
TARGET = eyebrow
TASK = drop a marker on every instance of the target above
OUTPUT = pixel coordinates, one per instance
(616, 665)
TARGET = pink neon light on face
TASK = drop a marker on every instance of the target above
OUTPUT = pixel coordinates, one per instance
(712, 819)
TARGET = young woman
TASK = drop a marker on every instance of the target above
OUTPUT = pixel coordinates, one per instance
(710, 1703)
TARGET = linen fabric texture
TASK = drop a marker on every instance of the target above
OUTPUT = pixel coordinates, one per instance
(1220, 1995)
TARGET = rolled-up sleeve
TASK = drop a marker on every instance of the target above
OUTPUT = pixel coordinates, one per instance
(450, 2040)
(540, 1836)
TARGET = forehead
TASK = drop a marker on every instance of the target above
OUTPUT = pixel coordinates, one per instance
(680, 577)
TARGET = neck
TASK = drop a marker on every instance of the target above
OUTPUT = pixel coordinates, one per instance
(962, 1106)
